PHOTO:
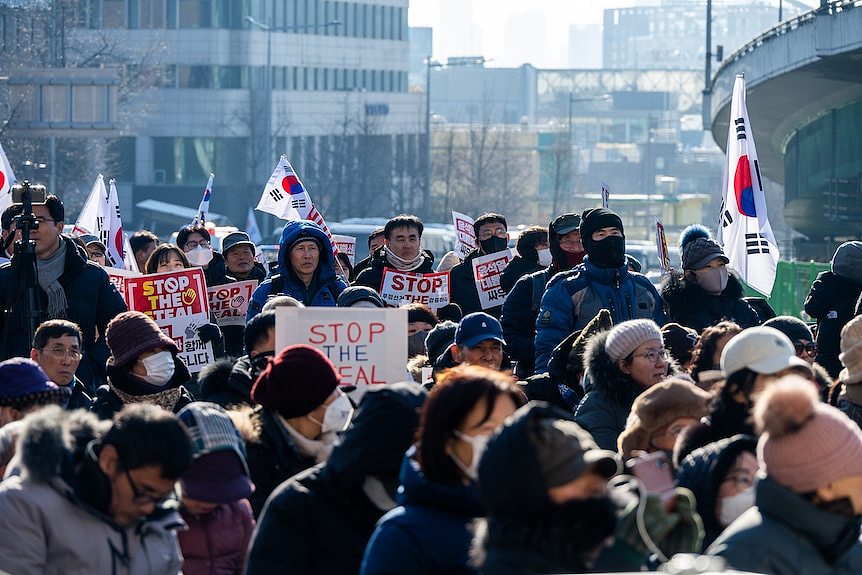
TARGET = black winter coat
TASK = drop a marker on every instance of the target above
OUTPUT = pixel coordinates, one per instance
(106, 403)
(92, 300)
(832, 302)
(517, 268)
(233, 334)
(462, 288)
(687, 304)
(80, 398)
(518, 319)
(727, 418)
(606, 407)
(270, 452)
(546, 386)
(372, 276)
(320, 521)
(216, 272)
(215, 385)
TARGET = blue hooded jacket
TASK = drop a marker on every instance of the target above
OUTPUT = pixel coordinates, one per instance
(325, 286)
(575, 297)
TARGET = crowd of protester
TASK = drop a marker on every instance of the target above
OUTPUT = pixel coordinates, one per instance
(591, 422)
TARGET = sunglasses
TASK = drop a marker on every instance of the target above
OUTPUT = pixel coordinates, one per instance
(809, 348)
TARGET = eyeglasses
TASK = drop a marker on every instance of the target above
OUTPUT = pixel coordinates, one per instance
(741, 481)
(62, 353)
(653, 355)
(40, 220)
(140, 498)
(487, 234)
(193, 244)
(809, 348)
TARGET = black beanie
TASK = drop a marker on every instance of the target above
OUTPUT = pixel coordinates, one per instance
(596, 219)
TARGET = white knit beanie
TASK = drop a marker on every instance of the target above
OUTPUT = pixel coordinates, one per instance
(627, 336)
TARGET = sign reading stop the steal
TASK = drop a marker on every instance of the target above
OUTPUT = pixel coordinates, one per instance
(367, 346)
(399, 288)
(177, 301)
(229, 302)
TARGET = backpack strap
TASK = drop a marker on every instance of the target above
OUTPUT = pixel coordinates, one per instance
(538, 292)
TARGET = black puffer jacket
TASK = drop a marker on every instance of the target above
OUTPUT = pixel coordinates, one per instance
(704, 470)
(518, 268)
(832, 302)
(604, 410)
(92, 300)
(214, 384)
(216, 272)
(321, 520)
(686, 303)
(107, 403)
(462, 287)
(546, 386)
(518, 319)
(372, 276)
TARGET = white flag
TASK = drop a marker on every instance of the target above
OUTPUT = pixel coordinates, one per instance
(113, 235)
(285, 197)
(204, 207)
(251, 228)
(744, 231)
(88, 220)
(130, 260)
(7, 180)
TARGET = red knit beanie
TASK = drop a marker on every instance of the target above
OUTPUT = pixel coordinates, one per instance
(132, 333)
(295, 381)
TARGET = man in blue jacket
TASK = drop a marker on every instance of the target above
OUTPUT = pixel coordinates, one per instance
(306, 269)
(602, 281)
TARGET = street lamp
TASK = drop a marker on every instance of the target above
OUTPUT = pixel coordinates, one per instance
(268, 72)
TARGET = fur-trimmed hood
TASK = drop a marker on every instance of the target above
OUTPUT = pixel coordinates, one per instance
(688, 304)
(606, 377)
(53, 441)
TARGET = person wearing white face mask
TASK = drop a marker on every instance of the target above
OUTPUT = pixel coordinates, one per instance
(143, 367)
(300, 413)
(534, 254)
(439, 497)
(705, 292)
(195, 242)
(722, 476)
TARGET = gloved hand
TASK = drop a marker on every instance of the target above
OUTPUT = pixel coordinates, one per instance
(210, 333)
(687, 535)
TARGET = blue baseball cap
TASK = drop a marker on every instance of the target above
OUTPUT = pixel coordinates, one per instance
(477, 327)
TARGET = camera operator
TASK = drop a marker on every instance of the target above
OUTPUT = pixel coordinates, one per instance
(69, 287)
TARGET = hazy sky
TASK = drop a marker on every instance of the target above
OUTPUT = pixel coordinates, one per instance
(511, 32)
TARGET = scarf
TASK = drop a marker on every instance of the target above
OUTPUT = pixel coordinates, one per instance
(166, 399)
(49, 271)
(319, 449)
(403, 265)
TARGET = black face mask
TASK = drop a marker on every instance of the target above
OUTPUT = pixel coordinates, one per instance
(609, 252)
(493, 245)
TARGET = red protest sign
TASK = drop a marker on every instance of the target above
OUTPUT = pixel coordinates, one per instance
(229, 302)
(487, 271)
(169, 295)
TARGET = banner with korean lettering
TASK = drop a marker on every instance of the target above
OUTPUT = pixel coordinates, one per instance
(118, 277)
(466, 235)
(399, 288)
(229, 302)
(661, 247)
(346, 245)
(487, 271)
(177, 301)
(367, 346)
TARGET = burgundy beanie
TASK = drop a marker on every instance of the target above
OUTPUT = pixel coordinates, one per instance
(295, 381)
(132, 333)
(804, 444)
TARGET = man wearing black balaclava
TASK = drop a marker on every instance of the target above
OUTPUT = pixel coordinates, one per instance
(602, 281)
(492, 236)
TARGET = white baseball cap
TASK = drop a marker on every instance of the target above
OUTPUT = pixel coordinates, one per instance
(762, 350)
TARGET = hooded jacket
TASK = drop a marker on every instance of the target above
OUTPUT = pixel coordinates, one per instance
(832, 302)
(605, 408)
(462, 287)
(785, 534)
(320, 521)
(518, 268)
(431, 530)
(92, 300)
(372, 276)
(106, 403)
(49, 527)
(704, 470)
(217, 385)
(271, 453)
(325, 286)
(688, 304)
(574, 297)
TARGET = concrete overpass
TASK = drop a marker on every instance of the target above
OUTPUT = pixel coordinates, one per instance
(804, 81)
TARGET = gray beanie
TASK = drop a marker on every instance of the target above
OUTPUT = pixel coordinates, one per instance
(847, 261)
(627, 336)
(697, 248)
